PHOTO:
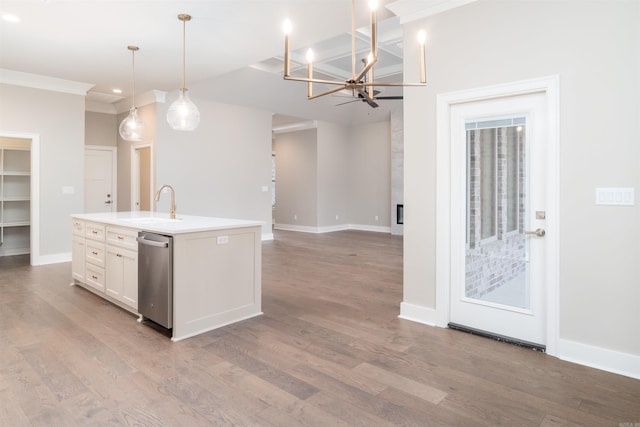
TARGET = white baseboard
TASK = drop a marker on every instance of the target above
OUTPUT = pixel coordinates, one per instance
(417, 313)
(51, 259)
(600, 358)
(331, 228)
(364, 227)
(267, 236)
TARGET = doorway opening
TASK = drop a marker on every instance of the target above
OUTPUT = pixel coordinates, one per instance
(142, 177)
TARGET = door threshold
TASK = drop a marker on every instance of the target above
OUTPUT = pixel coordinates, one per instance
(497, 337)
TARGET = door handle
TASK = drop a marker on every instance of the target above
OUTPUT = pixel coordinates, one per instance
(537, 232)
(107, 202)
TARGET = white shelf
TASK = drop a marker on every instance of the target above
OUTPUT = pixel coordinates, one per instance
(15, 173)
(15, 224)
(15, 201)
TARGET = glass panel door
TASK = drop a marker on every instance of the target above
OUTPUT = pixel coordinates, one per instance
(497, 251)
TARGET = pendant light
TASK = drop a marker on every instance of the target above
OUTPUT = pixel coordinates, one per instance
(183, 114)
(132, 127)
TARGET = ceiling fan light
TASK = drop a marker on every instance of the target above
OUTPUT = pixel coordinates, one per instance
(183, 113)
(132, 127)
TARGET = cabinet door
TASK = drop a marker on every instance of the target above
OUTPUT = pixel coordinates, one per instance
(130, 278)
(77, 258)
(122, 275)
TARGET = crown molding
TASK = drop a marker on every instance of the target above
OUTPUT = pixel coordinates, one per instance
(18, 78)
(412, 10)
(294, 127)
(99, 107)
(150, 97)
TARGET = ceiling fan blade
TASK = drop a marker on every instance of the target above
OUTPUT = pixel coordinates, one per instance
(348, 102)
(389, 97)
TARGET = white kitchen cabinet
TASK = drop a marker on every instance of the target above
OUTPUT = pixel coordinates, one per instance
(77, 258)
(78, 250)
(15, 204)
(122, 266)
(94, 272)
(105, 261)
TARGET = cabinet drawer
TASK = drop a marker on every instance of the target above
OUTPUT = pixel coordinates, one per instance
(77, 227)
(95, 253)
(123, 237)
(94, 277)
(94, 231)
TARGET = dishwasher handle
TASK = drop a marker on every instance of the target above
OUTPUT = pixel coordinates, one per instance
(144, 241)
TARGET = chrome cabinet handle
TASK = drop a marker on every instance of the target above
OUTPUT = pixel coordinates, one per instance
(538, 232)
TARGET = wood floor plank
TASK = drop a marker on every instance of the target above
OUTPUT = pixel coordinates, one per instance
(329, 350)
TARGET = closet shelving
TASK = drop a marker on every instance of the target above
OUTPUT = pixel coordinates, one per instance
(15, 200)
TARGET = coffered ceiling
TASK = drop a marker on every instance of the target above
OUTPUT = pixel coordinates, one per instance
(234, 48)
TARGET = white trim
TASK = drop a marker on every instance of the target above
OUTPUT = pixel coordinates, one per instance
(54, 258)
(411, 10)
(99, 107)
(550, 86)
(332, 228)
(599, 358)
(417, 313)
(18, 78)
(114, 172)
(147, 98)
(294, 127)
(34, 219)
(267, 236)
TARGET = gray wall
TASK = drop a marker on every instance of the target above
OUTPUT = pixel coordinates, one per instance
(296, 178)
(370, 175)
(59, 120)
(100, 129)
(594, 47)
(334, 177)
(220, 168)
(333, 173)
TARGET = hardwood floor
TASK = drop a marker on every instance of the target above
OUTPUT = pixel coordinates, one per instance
(328, 351)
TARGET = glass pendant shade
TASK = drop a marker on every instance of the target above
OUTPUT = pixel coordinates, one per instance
(183, 114)
(132, 127)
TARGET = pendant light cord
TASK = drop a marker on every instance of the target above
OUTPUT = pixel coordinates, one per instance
(184, 55)
(133, 77)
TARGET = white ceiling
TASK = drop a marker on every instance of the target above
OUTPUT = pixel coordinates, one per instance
(234, 48)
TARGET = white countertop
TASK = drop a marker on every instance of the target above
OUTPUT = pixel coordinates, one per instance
(161, 223)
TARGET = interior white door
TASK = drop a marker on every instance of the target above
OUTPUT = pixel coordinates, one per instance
(498, 217)
(99, 186)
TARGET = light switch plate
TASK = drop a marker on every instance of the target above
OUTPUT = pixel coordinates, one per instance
(615, 196)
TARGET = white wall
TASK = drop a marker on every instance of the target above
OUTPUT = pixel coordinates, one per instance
(220, 168)
(59, 120)
(595, 49)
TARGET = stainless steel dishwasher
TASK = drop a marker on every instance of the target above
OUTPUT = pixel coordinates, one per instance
(155, 278)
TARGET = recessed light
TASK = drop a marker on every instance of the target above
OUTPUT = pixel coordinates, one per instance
(10, 17)
(117, 90)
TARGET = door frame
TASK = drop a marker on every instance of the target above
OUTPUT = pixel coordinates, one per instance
(135, 172)
(550, 87)
(114, 170)
(34, 215)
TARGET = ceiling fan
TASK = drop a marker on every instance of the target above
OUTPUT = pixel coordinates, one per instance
(370, 101)
(367, 97)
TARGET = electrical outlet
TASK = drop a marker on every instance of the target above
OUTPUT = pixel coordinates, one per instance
(337, 217)
(295, 217)
(222, 240)
(376, 217)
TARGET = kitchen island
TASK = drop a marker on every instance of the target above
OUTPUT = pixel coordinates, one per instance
(217, 264)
